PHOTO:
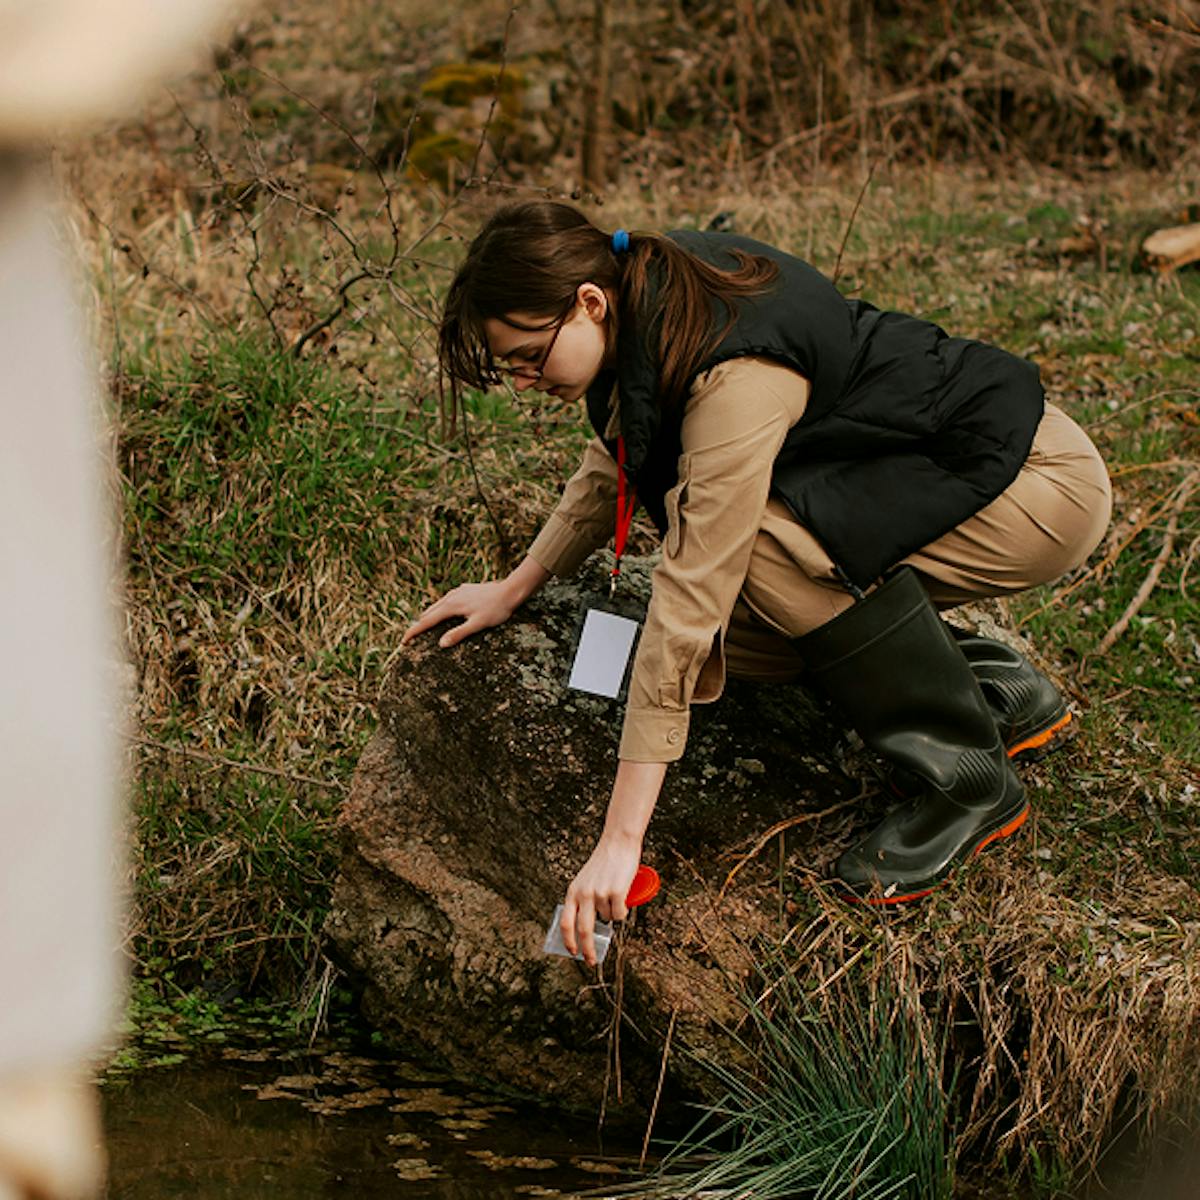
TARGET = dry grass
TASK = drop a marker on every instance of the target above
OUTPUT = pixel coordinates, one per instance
(1067, 1010)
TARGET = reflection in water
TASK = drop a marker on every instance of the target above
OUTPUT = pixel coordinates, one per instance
(254, 1126)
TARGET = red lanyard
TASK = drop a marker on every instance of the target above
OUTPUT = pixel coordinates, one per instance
(625, 506)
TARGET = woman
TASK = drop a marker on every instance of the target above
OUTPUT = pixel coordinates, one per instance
(794, 448)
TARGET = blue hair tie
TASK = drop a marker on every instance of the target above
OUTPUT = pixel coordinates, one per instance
(620, 241)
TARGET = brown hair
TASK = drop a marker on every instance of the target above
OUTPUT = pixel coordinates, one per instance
(531, 257)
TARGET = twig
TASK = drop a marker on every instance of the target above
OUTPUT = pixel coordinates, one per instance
(329, 318)
(1156, 569)
(501, 536)
(1188, 559)
(612, 1055)
(777, 828)
(837, 267)
(491, 112)
(1165, 464)
(1128, 408)
(345, 130)
(662, 1074)
(320, 994)
(618, 1012)
(220, 761)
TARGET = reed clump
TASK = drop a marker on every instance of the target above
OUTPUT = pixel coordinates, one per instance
(840, 1089)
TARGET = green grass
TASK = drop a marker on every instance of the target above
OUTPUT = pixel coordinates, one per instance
(233, 874)
(281, 529)
(838, 1094)
(252, 457)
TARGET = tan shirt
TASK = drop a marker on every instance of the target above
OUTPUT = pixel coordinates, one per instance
(735, 421)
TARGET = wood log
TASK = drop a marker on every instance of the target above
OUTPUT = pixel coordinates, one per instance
(1169, 249)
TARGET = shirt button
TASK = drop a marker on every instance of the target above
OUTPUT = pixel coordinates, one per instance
(673, 737)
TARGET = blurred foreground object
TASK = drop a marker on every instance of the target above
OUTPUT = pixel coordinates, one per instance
(1168, 249)
(58, 707)
(49, 1137)
(58, 699)
(68, 62)
(62, 63)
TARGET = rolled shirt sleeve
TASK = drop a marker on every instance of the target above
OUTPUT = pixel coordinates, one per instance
(736, 419)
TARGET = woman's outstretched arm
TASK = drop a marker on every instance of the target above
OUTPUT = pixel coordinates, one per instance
(582, 521)
(736, 421)
(600, 888)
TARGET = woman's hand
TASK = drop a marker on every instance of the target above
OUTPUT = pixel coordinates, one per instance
(481, 605)
(599, 890)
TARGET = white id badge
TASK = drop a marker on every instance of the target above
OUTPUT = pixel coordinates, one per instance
(602, 655)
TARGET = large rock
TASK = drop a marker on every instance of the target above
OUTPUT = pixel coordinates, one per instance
(484, 790)
(480, 796)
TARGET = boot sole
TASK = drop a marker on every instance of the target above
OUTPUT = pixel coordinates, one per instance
(1045, 741)
(1005, 830)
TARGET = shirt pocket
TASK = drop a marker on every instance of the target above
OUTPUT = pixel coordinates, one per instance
(674, 502)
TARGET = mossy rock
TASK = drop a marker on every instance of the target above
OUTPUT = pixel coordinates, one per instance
(457, 84)
(436, 156)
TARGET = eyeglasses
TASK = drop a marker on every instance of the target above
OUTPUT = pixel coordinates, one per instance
(533, 371)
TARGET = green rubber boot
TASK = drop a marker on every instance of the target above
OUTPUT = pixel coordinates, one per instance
(1030, 712)
(893, 667)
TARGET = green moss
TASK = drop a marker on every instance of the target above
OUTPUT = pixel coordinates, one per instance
(436, 156)
(457, 84)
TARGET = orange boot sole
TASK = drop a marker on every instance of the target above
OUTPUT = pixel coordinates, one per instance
(995, 836)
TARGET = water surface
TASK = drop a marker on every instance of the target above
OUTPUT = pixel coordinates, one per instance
(256, 1125)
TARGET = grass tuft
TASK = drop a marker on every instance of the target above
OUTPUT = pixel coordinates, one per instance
(840, 1094)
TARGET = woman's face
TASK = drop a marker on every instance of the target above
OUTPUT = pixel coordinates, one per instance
(561, 359)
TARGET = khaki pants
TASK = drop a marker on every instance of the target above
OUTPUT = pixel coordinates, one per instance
(1047, 522)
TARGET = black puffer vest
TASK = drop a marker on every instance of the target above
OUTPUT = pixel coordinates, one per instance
(907, 433)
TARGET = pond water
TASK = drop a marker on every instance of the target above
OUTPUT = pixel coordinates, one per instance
(253, 1125)
(286, 1125)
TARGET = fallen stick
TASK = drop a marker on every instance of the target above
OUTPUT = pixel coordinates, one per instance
(778, 828)
(662, 1074)
(1156, 568)
(1168, 249)
(218, 760)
